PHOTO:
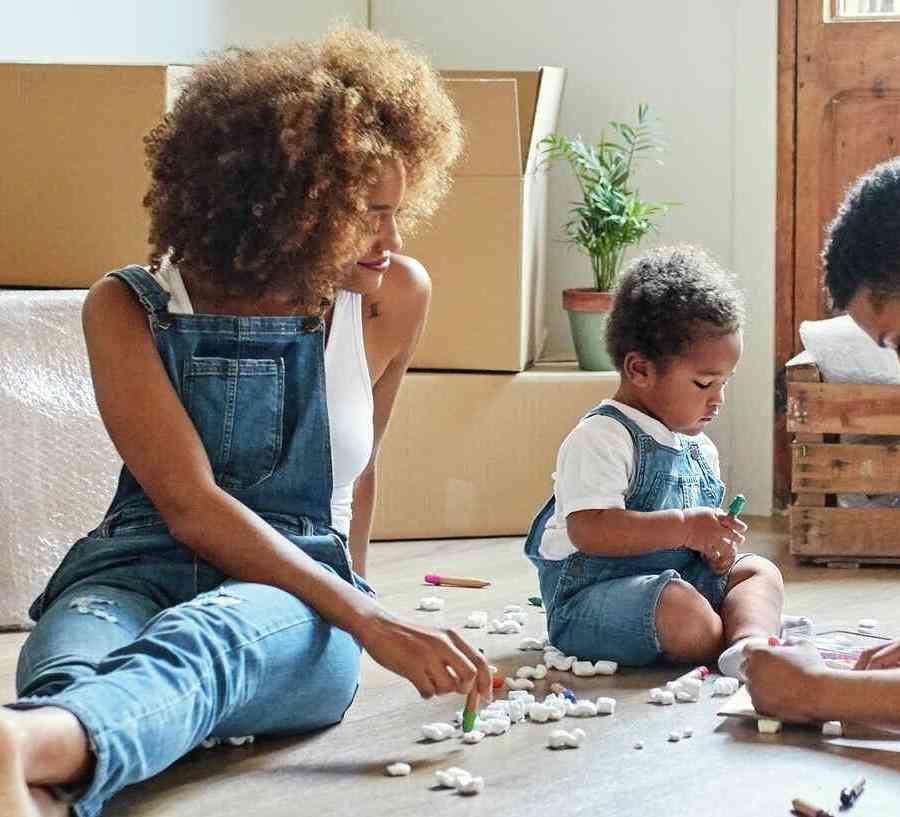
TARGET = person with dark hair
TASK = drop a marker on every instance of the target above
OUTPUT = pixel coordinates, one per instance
(861, 259)
(246, 377)
(636, 560)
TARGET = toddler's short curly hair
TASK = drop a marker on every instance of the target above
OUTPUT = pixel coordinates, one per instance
(667, 299)
(862, 244)
(259, 175)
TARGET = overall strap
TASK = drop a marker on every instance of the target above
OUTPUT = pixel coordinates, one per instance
(148, 290)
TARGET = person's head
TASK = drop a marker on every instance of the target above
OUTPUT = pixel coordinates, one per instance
(861, 257)
(282, 170)
(675, 335)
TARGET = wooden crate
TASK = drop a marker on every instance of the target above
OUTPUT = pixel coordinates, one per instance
(823, 466)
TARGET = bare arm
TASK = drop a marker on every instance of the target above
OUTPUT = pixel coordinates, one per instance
(157, 440)
(618, 532)
(408, 304)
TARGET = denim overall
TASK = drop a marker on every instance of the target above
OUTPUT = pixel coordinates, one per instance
(152, 648)
(601, 607)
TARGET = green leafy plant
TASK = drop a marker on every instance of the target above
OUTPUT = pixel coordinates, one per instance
(611, 215)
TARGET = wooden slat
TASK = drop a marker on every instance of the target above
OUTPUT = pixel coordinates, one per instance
(845, 532)
(870, 469)
(843, 408)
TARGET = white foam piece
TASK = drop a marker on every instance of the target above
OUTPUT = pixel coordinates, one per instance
(448, 777)
(768, 726)
(674, 737)
(521, 695)
(519, 617)
(665, 697)
(605, 667)
(398, 769)
(505, 627)
(584, 669)
(59, 466)
(560, 739)
(606, 706)
(470, 785)
(495, 726)
(473, 737)
(558, 661)
(438, 731)
(430, 604)
(583, 709)
(512, 608)
(832, 729)
(477, 620)
(868, 624)
(529, 643)
(519, 683)
(538, 712)
(725, 686)
(687, 732)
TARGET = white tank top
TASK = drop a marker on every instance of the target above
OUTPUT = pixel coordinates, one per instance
(348, 389)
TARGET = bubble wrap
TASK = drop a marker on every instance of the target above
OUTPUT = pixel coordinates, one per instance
(58, 467)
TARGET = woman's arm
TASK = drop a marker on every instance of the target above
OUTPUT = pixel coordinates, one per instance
(393, 330)
(157, 440)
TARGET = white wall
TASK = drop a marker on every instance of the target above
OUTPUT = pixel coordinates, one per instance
(160, 30)
(708, 68)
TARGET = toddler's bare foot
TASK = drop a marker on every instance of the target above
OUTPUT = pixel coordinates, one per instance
(17, 799)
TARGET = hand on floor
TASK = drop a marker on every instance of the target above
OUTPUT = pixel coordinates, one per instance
(783, 681)
(881, 657)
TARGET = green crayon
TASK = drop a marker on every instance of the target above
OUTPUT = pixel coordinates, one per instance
(737, 506)
(469, 716)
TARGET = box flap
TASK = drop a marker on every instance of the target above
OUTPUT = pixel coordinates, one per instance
(490, 116)
(546, 112)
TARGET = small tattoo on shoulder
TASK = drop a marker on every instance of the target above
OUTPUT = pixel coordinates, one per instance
(374, 310)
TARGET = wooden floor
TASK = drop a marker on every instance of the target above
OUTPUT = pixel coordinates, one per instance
(725, 768)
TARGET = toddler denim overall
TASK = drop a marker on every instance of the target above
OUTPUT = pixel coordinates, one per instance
(150, 647)
(601, 607)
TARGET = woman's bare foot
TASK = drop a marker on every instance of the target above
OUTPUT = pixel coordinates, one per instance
(17, 798)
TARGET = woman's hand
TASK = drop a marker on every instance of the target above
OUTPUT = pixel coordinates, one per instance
(784, 681)
(881, 657)
(434, 661)
(715, 534)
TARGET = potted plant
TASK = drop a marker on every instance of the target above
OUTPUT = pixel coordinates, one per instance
(610, 217)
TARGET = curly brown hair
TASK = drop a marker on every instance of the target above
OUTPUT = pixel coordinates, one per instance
(259, 175)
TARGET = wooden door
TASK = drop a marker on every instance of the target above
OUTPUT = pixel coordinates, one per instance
(839, 114)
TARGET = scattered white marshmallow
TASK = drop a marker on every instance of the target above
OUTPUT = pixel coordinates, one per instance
(560, 739)
(473, 737)
(868, 624)
(470, 785)
(512, 608)
(686, 688)
(583, 709)
(523, 696)
(584, 669)
(505, 627)
(687, 732)
(726, 686)
(558, 661)
(520, 617)
(674, 737)
(398, 769)
(606, 706)
(438, 731)
(431, 604)
(768, 726)
(638, 744)
(539, 713)
(477, 620)
(529, 643)
(448, 777)
(494, 726)
(539, 672)
(832, 729)
(519, 683)
(664, 697)
(685, 697)
(605, 667)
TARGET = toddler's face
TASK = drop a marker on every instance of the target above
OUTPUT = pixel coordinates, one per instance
(689, 393)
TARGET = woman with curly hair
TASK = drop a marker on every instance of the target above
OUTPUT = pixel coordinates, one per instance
(246, 378)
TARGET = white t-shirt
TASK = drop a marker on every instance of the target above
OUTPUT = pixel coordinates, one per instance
(594, 468)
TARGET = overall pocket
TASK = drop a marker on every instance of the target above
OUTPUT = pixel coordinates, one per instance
(237, 407)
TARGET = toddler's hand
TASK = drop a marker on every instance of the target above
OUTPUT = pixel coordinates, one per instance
(715, 534)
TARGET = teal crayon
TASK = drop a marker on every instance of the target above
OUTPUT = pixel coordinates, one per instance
(737, 506)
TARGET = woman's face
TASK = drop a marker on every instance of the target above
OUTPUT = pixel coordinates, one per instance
(878, 318)
(385, 198)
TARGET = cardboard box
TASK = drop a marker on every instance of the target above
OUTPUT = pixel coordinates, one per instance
(72, 172)
(486, 248)
(473, 454)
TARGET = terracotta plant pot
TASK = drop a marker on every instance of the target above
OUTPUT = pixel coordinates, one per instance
(588, 314)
